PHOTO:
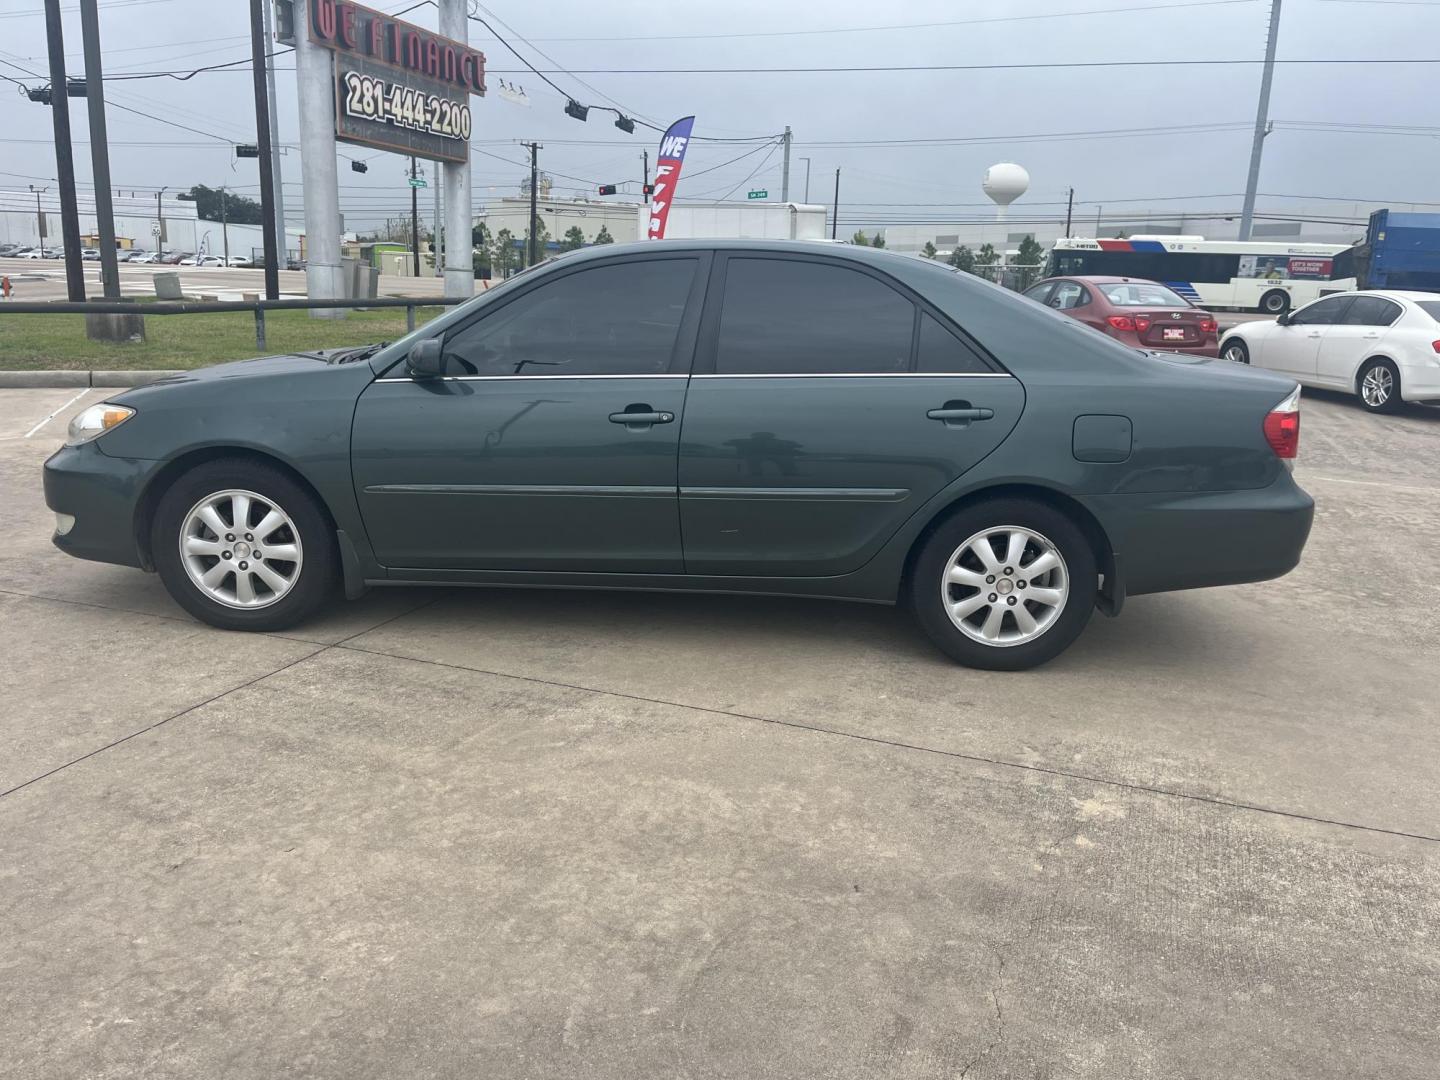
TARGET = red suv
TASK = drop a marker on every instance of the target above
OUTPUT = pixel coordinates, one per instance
(1141, 313)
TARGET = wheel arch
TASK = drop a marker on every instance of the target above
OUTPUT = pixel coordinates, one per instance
(1111, 596)
(172, 470)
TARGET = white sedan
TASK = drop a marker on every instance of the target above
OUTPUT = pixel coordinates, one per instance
(1381, 346)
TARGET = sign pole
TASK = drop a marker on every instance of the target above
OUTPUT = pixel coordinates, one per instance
(99, 148)
(414, 218)
(64, 155)
(835, 220)
(315, 94)
(265, 160)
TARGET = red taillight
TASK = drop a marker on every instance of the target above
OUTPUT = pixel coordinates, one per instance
(1435, 345)
(1282, 426)
(1208, 326)
(1123, 322)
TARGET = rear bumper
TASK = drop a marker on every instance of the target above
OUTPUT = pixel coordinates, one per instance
(101, 493)
(1194, 540)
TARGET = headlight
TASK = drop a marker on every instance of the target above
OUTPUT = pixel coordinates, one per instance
(95, 421)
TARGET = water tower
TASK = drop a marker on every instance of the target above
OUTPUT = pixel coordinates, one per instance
(1005, 183)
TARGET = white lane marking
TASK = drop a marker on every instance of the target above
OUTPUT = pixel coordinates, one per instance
(57, 412)
(1372, 483)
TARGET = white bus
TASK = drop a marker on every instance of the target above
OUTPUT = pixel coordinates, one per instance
(1250, 276)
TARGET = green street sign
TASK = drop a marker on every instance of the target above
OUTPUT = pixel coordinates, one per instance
(758, 195)
(417, 181)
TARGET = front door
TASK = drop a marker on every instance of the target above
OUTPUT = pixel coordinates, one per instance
(827, 406)
(1294, 347)
(551, 442)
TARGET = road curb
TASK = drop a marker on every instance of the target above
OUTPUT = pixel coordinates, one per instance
(32, 380)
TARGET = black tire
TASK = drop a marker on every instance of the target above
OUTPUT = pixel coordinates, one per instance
(1371, 400)
(315, 576)
(1235, 350)
(1275, 302)
(932, 567)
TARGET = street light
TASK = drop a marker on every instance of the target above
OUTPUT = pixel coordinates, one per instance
(39, 216)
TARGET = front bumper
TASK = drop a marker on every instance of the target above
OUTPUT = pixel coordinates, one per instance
(1193, 540)
(102, 494)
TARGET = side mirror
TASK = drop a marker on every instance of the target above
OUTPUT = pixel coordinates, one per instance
(1283, 318)
(426, 359)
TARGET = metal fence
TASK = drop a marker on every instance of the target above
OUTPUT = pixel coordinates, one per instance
(197, 307)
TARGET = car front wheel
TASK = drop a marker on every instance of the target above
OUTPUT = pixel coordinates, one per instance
(1378, 385)
(1235, 351)
(1004, 585)
(240, 545)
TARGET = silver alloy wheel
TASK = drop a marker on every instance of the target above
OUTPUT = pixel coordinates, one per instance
(1235, 353)
(240, 549)
(1377, 386)
(1004, 586)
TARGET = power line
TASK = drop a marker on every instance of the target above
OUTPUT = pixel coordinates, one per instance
(753, 171)
(1051, 65)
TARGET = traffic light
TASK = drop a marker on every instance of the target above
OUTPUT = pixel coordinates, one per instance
(607, 189)
(575, 109)
(359, 166)
(626, 125)
(647, 189)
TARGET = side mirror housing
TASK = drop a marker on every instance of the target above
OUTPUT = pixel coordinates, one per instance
(426, 359)
(1283, 318)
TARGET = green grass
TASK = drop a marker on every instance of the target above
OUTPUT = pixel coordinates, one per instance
(58, 342)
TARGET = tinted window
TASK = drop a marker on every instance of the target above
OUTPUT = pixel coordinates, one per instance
(1141, 294)
(942, 352)
(1431, 308)
(620, 319)
(791, 317)
(1323, 312)
(1068, 294)
(1371, 311)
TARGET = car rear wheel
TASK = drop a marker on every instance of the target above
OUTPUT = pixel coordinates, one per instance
(1378, 386)
(1235, 351)
(1004, 585)
(242, 546)
(1275, 302)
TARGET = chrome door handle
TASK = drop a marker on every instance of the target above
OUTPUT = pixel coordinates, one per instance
(1313, 333)
(640, 417)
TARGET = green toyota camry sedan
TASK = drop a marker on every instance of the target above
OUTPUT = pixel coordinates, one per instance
(785, 418)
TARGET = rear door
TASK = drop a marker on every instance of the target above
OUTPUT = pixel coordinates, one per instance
(551, 444)
(827, 406)
(1293, 348)
(1358, 334)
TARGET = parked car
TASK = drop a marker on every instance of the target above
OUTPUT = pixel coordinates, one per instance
(240, 260)
(7, 250)
(857, 424)
(1141, 313)
(90, 254)
(39, 253)
(1382, 346)
(130, 254)
(147, 257)
(175, 258)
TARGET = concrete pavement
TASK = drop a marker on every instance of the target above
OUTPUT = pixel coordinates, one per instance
(548, 834)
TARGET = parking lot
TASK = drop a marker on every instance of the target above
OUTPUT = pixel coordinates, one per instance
(548, 834)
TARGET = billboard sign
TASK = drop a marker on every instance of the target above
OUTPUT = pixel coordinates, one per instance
(398, 86)
(1285, 267)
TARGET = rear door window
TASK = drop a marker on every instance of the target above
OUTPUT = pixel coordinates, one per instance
(795, 317)
(1068, 294)
(942, 353)
(1371, 311)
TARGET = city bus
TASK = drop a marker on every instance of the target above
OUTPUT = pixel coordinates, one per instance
(1269, 277)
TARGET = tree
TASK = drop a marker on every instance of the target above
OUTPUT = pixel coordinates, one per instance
(574, 239)
(603, 236)
(1030, 256)
(879, 241)
(504, 259)
(542, 237)
(928, 251)
(480, 250)
(237, 210)
(480, 236)
(860, 238)
(962, 258)
(987, 257)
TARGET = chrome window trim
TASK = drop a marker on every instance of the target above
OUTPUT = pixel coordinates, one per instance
(752, 375)
(513, 378)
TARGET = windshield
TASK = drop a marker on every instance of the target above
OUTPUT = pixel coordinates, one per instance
(1141, 294)
(1430, 307)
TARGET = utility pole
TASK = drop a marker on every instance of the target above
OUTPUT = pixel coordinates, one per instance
(160, 221)
(64, 155)
(99, 148)
(414, 218)
(806, 160)
(39, 216)
(258, 64)
(1069, 207)
(281, 247)
(645, 175)
(225, 228)
(531, 257)
(835, 220)
(785, 172)
(438, 247)
(1262, 122)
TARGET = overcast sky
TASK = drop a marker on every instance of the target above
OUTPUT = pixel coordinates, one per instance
(879, 183)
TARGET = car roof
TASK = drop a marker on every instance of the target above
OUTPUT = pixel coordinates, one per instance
(1112, 279)
(824, 248)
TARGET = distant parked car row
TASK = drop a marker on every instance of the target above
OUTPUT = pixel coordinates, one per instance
(131, 255)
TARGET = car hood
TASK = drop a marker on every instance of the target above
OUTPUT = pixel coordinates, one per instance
(263, 367)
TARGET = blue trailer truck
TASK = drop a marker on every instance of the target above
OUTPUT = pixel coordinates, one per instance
(1400, 251)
